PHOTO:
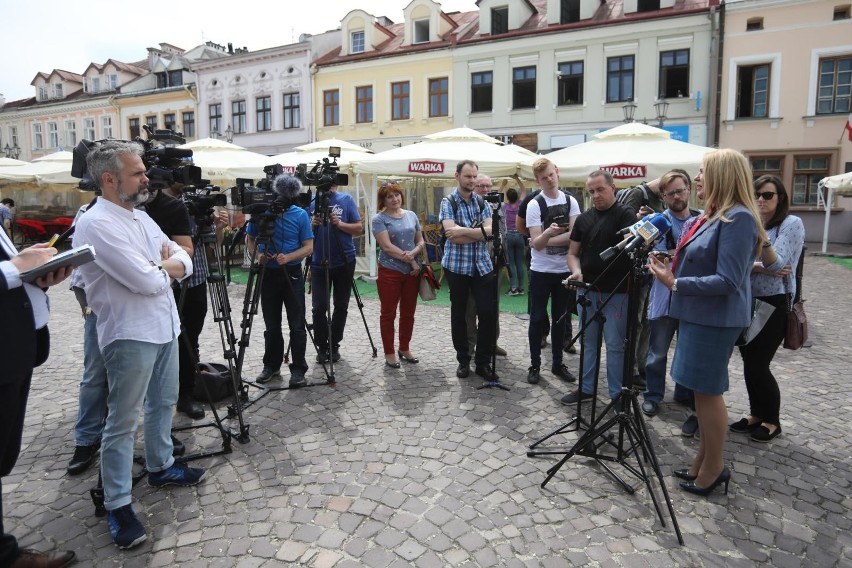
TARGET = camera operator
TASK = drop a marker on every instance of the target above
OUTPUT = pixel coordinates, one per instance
(333, 242)
(288, 240)
(128, 287)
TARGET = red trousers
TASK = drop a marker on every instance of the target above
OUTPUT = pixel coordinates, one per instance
(396, 289)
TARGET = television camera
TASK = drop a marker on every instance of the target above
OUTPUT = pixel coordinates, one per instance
(263, 198)
(324, 175)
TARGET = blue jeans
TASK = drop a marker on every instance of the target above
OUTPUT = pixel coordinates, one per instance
(614, 332)
(92, 409)
(544, 286)
(515, 245)
(137, 372)
(662, 333)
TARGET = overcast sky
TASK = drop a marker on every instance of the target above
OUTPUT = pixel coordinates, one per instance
(69, 34)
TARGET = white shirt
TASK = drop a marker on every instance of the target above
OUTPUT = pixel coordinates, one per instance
(38, 299)
(125, 287)
(549, 259)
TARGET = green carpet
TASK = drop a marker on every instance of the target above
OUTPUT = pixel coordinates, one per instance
(510, 304)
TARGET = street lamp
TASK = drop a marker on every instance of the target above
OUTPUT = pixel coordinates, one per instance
(229, 134)
(629, 110)
(215, 134)
(12, 152)
(662, 108)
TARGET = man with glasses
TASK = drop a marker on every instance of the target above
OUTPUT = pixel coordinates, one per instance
(675, 191)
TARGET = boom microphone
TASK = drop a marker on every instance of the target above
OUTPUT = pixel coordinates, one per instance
(647, 231)
(287, 186)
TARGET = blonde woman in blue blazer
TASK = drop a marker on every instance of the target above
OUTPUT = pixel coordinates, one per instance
(711, 296)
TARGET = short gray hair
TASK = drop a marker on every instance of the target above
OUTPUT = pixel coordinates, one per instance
(105, 158)
(606, 175)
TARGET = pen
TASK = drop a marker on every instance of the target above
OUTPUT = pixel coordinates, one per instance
(53, 240)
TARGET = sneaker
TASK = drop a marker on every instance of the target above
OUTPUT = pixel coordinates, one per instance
(574, 396)
(322, 356)
(563, 373)
(179, 474)
(520, 291)
(84, 456)
(125, 528)
(267, 374)
(511, 292)
(533, 376)
(297, 378)
(690, 426)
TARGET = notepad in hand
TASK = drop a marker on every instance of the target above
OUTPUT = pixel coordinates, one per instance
(74, 257)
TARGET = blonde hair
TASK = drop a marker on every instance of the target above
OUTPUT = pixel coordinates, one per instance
(540, 165)
(727, 183)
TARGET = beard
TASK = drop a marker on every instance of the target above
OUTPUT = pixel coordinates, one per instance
(138, 197)
(678, 207)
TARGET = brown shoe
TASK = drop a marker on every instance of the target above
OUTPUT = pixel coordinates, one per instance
(33, 559)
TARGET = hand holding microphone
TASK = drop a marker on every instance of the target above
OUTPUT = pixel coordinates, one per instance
(645, 232)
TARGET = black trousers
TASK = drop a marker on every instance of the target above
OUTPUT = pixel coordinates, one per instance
(275, 293)
(13, 405)
(483, 290)
(340, 284)
(192, 321)
(764, 396)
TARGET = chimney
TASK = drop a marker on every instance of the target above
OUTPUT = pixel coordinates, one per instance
(230, 48)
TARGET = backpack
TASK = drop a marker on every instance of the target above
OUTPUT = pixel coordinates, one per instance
(217, 378)
(548, 214)
(442, 241)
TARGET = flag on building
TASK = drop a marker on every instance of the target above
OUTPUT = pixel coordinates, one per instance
(848, 127)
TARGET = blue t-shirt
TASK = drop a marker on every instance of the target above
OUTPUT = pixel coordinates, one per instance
(342, 205)
(402, 233)
(291, 228)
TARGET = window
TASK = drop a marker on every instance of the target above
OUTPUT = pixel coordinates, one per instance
(189, 124)
(106, 126)
(176, 78)
(42, 93)
(481, 91)
(89, 129)
(753, 91)
(216, 118)
(133, 126)
(151, 122)
(356, 44)
(807, 172)
(112, 81)
(499, 20)
(13, 134)
(364, 104)
(570, 83)
(421, 31)
(766, 165)
(264, 113)
(842, 12)
(647, 5)
(169, 121)
(52, 135)
(70, 133)
(38, 141)
(162, 80)
(754, 24)
(292, 112)
(331, 107)
(569, 11)
(619, 79)
(438, 97)
(835, 85)
(400, 101)
(523, 87)
(57, 90)
(238, 116)
(94, 85)
(674, 74)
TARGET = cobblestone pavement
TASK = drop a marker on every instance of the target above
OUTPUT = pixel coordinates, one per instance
(414, 467)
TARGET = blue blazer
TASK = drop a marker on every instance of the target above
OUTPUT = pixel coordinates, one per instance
(713, 272)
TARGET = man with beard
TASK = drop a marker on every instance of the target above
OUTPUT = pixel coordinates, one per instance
(128, 287)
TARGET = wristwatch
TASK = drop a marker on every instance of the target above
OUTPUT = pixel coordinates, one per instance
(674, 285)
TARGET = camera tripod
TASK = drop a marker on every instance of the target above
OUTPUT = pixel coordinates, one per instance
(499, 261)
(624, 412)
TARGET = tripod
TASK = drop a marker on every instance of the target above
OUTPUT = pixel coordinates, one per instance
(627, 415)
(499, 261)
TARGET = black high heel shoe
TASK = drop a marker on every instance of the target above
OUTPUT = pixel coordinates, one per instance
(392, 364)
(684, 474)
(724, 477)
(413, 360)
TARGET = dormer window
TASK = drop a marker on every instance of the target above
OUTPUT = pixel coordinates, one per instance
(57, 90)
(421, 31)
(356, 44)
(94, 85)
(569, 11)
(499, 20)
(647, 5)
(42, 93)
(112, 81)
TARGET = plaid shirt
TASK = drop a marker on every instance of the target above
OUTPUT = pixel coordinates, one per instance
(469, 259)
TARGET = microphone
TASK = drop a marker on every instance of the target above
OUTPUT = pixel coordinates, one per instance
(287, 186)
(568, 283)
(647, 231)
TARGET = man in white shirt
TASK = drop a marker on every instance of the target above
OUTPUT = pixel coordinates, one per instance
(128, 287)
(549, 238)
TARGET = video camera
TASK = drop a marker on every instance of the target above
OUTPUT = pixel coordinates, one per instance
(201, 201)
(165, 164)
(324, 175)
(263, 198)
(494, 197)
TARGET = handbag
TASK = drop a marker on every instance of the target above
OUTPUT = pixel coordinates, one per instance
(760, 313)
(797, 325)
(217, 380)
(428, 283)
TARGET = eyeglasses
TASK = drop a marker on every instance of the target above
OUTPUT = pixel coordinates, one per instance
(389, 182)
(485, 185)
(675, 192)
(766, 195)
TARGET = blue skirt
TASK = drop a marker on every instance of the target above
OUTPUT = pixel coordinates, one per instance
(702, 355)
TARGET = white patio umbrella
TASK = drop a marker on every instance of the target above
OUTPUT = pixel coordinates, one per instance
(11, 162)
(310, 154)
(53, 168)
(631, 152)
(834, 185)
(324, 145)
(223, 162)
